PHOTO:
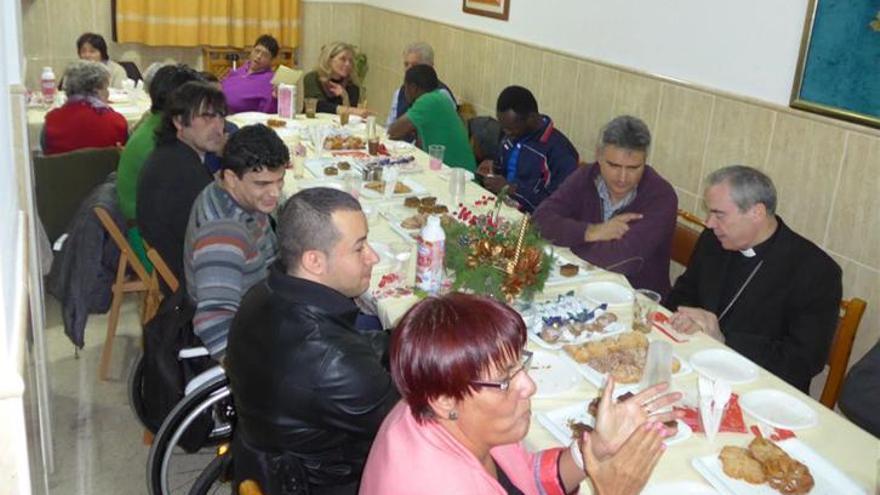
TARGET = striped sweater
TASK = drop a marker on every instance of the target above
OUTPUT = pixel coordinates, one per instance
(227, 251)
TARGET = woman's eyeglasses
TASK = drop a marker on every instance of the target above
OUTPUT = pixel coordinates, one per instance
(525, 361)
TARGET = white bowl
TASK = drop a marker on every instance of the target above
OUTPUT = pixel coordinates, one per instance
(610, 293)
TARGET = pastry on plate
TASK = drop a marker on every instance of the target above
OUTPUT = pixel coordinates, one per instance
(739, 464)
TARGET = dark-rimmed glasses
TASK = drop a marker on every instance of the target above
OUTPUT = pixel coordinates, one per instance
(525, 361)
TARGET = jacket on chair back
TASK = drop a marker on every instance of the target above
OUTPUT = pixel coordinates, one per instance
(306, 383)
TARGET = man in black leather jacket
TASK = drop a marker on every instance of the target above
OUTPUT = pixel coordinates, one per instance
(310, 391)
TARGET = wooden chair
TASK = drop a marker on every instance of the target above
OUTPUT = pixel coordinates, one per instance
(684, 239)
(63, 181)
(249, 487)
(841, 348)
(131, 276)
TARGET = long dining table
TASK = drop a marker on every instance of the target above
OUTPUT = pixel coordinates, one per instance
(834, 439)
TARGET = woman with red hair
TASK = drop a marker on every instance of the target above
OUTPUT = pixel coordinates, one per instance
(460, 364)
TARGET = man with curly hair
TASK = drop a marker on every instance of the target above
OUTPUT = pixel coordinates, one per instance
(230, 242)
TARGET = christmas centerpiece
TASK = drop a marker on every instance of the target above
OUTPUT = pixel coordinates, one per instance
(494, 256)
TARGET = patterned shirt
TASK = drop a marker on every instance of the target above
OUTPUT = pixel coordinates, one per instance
(609, 209)
(227, 251)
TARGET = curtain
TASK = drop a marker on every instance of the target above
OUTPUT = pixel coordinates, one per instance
(234, 23)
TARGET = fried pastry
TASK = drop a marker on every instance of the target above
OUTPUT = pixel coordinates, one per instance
(783, 473)
(739, 464)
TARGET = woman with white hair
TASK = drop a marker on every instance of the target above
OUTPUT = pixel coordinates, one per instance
(85, 120)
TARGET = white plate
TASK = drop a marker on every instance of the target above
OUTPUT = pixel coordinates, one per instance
(679, 488)
(779, 409)
(610, 293)
(556, 422)
(612, 329)
(598, 379)
(552, 375)
(721, 364)
(316, 166)
(555, 278)
(829, 480)
(415, 187)
(301, 184)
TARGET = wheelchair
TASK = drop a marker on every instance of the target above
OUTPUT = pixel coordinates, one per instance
(190, 451)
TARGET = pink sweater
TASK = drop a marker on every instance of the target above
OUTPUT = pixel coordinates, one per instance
(408, 457)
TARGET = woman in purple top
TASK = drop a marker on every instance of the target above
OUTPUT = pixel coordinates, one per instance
(249, 88)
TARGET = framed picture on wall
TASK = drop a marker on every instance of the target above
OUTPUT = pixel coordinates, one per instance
(498, 9)
(837, 70)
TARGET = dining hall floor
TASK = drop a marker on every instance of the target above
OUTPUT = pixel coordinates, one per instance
(98, 441)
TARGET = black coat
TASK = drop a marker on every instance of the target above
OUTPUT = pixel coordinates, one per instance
(785, 318)
(305, 382)
(172, 176)
(83, 273)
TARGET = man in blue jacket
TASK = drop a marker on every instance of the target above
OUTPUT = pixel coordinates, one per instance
(535, 157)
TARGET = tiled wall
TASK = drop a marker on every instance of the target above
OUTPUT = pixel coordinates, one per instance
(51, 28)
(827, 172)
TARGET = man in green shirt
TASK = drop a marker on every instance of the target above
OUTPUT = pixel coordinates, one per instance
(141, 144)
(433, 118)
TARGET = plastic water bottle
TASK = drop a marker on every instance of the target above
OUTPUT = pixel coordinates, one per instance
(432, 250)
(47, 85)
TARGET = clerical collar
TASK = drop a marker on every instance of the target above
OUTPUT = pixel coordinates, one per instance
(759, 249)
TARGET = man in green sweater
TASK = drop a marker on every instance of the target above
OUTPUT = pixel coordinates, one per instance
(141, 144)
(433, 118)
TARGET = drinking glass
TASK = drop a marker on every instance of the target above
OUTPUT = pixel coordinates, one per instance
(402, 252)
(311, 107)
(457, 181)
(352, 183)
(436, 151)
(645, 303)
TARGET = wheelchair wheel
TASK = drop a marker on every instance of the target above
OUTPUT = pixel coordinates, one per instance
(216, 476)
(186, 443)
(136, 388)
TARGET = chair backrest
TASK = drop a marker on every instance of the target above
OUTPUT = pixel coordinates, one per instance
(841, 348)
(684, 239)
(160, 267)
(122, 243)
(131, 70)
(63, 181)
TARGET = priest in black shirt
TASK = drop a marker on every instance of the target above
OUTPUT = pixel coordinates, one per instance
(756, 285)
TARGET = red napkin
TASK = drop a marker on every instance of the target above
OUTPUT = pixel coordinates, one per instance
(731, 422)
(777, 435)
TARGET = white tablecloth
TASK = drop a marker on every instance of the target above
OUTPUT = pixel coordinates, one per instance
(853, 451)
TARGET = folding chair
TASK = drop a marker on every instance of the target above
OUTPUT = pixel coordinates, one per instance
(131, 276)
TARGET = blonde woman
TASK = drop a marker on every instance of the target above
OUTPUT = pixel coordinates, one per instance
(334, 82)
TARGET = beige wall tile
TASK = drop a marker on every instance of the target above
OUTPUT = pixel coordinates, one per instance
(593, 108)
(557, 90)
(740, 134)
(638, 96)
(469, 87)
(370, 29)
(679, 137)
(347, 22)
(34, 26)
(528, 65)
(804, 162)
(68, 20)
(498, 71)
(689, 201)
(855, 218)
